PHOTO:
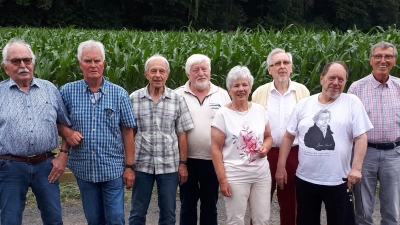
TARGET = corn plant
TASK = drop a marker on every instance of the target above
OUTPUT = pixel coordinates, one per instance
(127, 51)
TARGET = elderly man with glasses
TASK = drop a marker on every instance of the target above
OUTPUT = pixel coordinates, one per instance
(30, 109)
(380, 94)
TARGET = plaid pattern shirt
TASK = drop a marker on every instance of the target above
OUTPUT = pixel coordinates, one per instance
(382, 105)
(28, 121)
(156, 142)
(100, 156)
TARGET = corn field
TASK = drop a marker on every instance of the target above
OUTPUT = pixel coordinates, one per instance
(127, 51)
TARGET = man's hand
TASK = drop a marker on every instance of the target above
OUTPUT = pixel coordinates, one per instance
(58, 167)
(182, 174)
(353, 177)
(129, 178)
(73, 138)
(281, 177)
(225, 188)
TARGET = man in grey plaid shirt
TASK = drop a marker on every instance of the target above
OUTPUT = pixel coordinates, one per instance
(160, 141)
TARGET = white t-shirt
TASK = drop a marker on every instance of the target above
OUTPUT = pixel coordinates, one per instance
(244, 135)
(325, 153)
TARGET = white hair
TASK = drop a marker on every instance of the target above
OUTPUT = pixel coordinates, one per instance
(91, 44)
(196, 58)
(16, 41)
(154, 57)
(236, 73)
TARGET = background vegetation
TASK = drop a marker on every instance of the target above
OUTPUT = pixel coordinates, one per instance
(127, 51)
(219, 15)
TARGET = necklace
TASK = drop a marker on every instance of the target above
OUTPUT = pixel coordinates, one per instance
(241, 113)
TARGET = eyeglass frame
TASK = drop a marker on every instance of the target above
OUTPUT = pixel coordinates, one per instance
(18, 61)
(386, 57)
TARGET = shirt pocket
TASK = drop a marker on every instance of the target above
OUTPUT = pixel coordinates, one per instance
(46, 111)
(111, 117)
(168, 122)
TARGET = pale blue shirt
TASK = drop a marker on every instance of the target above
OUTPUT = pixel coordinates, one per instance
(28, 120)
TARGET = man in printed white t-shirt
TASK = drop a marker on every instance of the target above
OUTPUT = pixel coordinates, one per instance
(321, 170)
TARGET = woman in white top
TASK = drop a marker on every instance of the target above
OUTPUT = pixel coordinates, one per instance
(240, 140)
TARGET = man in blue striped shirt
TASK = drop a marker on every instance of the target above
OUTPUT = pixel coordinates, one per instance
(30, 109)
(103, 161)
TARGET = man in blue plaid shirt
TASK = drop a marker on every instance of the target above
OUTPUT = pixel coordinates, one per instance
(162, 118)
(102, 159)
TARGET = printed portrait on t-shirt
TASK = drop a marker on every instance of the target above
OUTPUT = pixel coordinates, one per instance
(319, 136)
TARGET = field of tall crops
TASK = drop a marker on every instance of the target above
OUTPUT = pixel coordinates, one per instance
(127, 51)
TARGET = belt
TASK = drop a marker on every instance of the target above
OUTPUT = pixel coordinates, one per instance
(384, 146)
(28, 159)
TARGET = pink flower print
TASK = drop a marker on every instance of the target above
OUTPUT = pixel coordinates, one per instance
(249, 145)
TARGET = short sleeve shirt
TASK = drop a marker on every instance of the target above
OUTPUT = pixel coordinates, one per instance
(156, 141)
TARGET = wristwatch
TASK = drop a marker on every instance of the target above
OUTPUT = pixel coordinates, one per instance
(133, 166)
(65, 151)
(184, 162)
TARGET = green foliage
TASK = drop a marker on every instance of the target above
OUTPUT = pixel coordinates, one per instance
(127, 51)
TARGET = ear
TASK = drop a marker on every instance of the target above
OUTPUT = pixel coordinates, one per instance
(5, 68)
(320, 79)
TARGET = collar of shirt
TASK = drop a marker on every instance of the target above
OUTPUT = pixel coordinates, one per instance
(289, 90)
(34, 82)
(103, 88)
(144, 93)
(376, 83)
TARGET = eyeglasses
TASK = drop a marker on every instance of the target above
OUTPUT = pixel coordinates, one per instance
(280, 63)
(379, 57)
(89, 61)
(17, 61)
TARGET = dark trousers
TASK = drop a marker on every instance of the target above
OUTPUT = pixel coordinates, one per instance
(202, 184)
(339, 208)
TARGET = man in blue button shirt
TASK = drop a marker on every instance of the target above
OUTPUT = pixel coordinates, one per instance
(30, 109)
(103, 161)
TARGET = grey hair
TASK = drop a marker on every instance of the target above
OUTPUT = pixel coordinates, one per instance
(238, 72)
(316, 117)
(194, 59)
(276, 51)
(384, 45)
(91, 44)
(17, 41)
(154, 57)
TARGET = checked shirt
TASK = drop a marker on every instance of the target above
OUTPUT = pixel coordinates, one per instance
(100, 156)
(156, 141)
(382, 105)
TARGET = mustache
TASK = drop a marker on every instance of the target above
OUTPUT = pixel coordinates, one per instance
(23, 70)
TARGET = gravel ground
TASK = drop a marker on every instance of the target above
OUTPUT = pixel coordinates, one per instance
(73, 213)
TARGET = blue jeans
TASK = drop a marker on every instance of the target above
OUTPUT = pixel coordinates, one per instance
(382, 165)
(141, 195)
(103, 202)
(15, 179)
(202, 184)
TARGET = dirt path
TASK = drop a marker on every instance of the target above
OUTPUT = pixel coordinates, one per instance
(73, 214)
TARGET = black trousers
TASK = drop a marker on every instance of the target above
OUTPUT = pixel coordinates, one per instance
(339, 208)
(202, 184)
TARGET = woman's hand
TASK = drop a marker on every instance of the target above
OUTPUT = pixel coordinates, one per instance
(262, 151)
(225, 188)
